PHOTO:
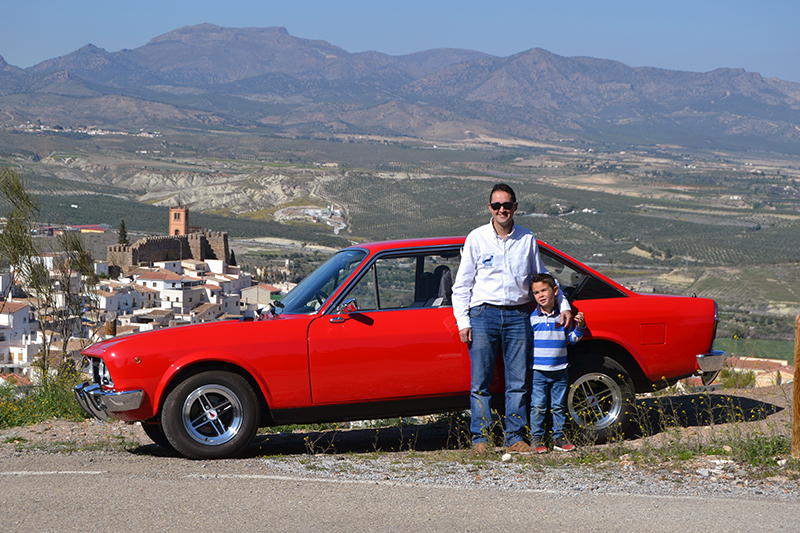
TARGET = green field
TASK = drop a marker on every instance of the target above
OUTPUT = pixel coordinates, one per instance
(766, 349)
(664, 220)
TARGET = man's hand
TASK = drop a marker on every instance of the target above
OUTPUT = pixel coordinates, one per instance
(566, 319)
(466, 335)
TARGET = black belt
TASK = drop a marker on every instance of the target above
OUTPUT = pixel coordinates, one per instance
(507, 307)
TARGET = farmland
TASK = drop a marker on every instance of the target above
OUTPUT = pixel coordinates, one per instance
(656, 218)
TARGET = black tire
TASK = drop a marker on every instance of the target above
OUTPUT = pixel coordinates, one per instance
(211, 415)
(156, 434)
(600, 398)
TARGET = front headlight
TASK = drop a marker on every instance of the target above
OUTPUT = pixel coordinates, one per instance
(104, 375)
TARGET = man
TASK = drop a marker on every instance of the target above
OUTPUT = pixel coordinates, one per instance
(490, 300)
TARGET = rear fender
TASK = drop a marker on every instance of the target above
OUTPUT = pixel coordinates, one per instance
(616, 351)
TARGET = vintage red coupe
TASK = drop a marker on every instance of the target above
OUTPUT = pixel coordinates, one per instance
(371, 334)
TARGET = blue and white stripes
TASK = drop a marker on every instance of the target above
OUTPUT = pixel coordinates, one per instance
(550, 340)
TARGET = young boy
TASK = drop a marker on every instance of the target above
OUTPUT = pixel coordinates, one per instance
(550, 377)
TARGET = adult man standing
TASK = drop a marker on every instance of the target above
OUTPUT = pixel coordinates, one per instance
(490, 300)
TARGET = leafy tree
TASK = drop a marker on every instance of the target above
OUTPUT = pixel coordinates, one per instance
(123, 233)
(57, 276)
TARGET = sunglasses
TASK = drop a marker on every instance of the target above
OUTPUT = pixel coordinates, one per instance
(497, 205)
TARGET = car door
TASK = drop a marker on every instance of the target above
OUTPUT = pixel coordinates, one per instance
(400, 342)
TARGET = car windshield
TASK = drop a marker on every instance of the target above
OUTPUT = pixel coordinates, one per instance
(311, 293)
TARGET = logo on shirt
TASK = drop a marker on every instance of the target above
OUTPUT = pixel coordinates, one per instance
(487, 260)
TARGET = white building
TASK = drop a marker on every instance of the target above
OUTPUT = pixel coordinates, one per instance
(18, 337)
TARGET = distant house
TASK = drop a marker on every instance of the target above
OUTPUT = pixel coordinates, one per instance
(206, 312)
(116, 298)
(157, 317)
(158, 279)
(19, 341)
(101, 268)
(258, 296)
(768, 372)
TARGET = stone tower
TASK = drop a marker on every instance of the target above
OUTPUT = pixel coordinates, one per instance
(178, 220)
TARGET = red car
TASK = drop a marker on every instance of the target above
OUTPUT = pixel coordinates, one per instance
(371, 334)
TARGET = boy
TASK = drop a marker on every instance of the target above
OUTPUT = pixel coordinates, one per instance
(550, 377)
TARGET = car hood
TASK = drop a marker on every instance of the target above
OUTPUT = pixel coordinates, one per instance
(207, 334)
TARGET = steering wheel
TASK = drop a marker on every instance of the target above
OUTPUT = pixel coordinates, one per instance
(320, 297)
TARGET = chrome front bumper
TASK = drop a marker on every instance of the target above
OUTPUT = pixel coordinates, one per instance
(98, 402)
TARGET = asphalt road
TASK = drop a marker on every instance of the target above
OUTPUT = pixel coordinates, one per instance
(110, 492)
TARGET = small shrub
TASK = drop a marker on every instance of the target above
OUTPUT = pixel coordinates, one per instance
(52, 398)
(737, 379)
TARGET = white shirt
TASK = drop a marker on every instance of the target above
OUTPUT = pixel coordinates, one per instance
(496, 271)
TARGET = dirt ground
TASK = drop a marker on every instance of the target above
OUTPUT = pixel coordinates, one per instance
(766, 410)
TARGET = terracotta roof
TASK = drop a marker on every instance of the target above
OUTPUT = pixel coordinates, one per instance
(76, 345)
(141, 288)
(763, 365)
(13, 306)
(160, 312)
(160, 274)
(200, 309)
(16, 379)
(268, 287)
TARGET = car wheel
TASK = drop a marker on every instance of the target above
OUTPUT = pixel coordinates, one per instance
(211, 415)
(156, 434)
(600, 398)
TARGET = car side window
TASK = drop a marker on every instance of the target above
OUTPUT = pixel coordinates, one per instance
(568, 278)
(407, 281)
(364, 292)
(576, 284)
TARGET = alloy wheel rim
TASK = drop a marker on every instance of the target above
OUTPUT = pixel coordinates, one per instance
(595, 401)
(212, 415)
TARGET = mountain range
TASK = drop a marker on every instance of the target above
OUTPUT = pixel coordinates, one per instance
(206, 75)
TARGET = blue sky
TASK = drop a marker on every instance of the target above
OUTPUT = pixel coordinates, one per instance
(698, 35)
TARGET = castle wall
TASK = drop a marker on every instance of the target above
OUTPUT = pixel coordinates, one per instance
(198, 246)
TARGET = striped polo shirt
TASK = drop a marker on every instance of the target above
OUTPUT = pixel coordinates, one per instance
(550, 340)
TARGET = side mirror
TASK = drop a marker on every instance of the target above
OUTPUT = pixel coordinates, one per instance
(350, 305)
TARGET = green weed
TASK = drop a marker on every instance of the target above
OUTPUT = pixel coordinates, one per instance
(52, 398)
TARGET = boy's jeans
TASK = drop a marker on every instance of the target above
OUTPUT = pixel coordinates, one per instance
(509, 329)
(549, 385)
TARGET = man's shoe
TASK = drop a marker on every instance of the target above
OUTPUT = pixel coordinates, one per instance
(519, 447)
(538, 447)
(479, 449)
(563, 445)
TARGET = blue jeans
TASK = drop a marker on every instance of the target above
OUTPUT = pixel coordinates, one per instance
(549, 386)
(492, 329)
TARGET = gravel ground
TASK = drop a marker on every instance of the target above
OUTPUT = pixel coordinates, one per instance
(356, 455)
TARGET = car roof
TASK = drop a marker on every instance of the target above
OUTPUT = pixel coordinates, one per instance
(375, 247)
(381, 246)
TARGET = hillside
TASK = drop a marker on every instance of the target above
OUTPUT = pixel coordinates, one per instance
(264, 77)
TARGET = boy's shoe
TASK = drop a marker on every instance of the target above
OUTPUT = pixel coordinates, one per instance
(519, 447)
(480, 448)
(563, 445)
(538, 447)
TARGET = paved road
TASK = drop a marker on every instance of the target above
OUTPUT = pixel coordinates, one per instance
(109, 492)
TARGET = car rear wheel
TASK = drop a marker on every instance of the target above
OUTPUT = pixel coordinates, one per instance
(211, 415)
(600, 398)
